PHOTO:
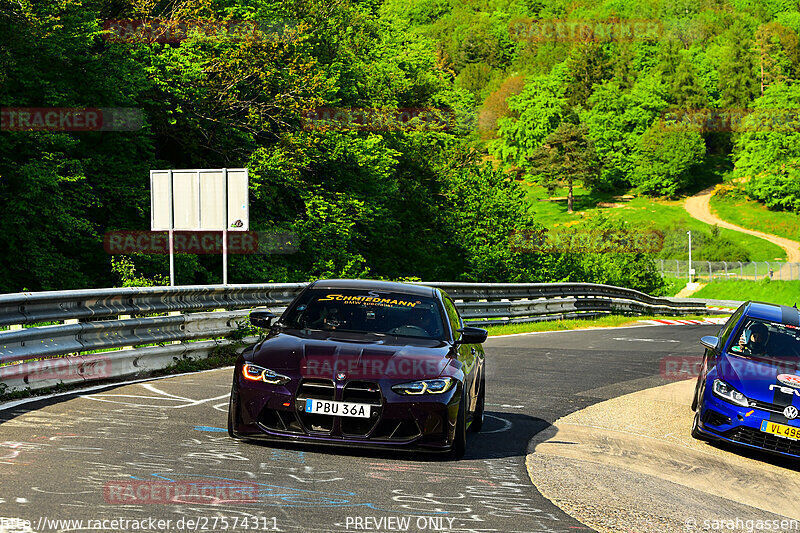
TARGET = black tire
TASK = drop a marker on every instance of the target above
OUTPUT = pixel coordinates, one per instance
(232, 406)
(460, 440)
(477, 418)
(696, 394)
(696, 428)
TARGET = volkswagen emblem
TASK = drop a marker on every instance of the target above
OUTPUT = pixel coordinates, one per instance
(790, 412)
(340, 376)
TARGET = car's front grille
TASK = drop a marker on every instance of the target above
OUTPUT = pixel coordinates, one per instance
(316, 389)
(365, 392)
(763, 440)
(766, 406)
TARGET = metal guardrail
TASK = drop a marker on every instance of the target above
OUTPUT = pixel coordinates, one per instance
(95, 338)
(721, 270)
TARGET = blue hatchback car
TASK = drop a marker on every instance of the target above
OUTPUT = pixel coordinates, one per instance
(748, 391)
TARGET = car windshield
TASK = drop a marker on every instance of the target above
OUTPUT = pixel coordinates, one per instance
(367, 311)
(761, 339)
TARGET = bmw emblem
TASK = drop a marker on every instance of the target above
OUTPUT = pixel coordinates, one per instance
(790, 412)
(340, 376)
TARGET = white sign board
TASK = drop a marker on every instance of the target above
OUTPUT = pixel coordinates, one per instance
(196, 200)
(192, 200)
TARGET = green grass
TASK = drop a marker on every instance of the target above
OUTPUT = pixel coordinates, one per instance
(559, 325)
(778, 292)
(640, 212)
(753, 215)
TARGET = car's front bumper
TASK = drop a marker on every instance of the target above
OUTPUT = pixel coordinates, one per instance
(275, 413)
(726, 422)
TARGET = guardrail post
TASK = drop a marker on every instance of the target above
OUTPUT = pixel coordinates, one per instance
(725, 264)
(755, 271)
(710, 275)
(769, 269)
(741, 269)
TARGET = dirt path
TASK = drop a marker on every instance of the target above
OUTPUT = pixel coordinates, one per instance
(698, 207)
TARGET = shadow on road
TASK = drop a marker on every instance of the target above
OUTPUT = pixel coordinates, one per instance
(503, 435)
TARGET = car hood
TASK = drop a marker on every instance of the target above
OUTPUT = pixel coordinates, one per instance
(753, 377)
(328, 354)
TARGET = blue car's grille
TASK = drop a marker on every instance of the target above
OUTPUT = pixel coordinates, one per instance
(754, 437)
(765, 406)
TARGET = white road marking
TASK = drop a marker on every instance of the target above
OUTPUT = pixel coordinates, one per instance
(506, 425)
(632, 339)
(163, 396)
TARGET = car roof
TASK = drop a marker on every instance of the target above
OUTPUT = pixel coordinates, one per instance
(368, 284)
(773, 312)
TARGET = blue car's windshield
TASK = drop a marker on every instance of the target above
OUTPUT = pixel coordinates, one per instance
(761, 339)
(363, 311)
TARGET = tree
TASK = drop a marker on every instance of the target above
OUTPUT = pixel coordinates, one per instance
(737, 70)
(778, 50)
(665, 159)
(587, 66)
(537, 111)
(566, 157)
(685, 89)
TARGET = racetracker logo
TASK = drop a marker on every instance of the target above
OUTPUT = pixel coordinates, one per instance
(174, 31)
(731, 120)
(89, 367)
(370, 367)
(200, 242)
(197, 491)
(583, 241)
(70, 119)
(378, 119)
(544, 30)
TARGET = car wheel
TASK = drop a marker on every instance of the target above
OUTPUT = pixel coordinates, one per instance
(696, 427)
(232, 406)
(477, 418)
(460, 440)
(696, 394)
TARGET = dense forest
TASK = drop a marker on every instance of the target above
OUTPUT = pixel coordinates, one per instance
(433, 200)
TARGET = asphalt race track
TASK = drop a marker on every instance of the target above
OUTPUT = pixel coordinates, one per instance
(75, 458)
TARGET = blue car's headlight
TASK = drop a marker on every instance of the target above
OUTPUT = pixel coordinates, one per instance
(426, 386)
(259, 373)
(729, 394)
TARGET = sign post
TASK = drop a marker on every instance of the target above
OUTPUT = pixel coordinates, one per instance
(195, 200)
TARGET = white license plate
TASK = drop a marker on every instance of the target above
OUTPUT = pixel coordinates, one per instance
(325, 407)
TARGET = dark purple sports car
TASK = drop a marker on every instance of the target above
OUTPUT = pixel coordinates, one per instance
(362, 363)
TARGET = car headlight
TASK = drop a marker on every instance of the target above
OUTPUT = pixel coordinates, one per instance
(259, 373)
(426, 386)
(729, 394)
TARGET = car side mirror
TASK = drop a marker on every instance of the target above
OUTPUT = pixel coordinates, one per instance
(710, 342)
(261, 318)
(470, 335)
